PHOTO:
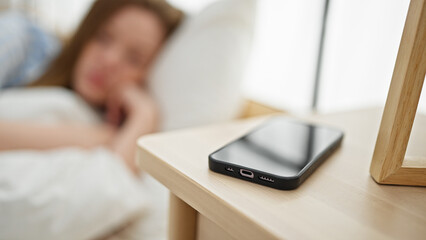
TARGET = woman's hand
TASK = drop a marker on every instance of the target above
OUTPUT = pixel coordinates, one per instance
(131, 103)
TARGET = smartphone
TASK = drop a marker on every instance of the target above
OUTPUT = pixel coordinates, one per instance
(281, 153)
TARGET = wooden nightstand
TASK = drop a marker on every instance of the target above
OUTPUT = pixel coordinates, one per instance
(339, 200)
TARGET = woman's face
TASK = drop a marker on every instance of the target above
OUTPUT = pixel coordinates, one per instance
(119, 53)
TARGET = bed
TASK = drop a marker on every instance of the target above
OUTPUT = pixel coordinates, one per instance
(72, 193)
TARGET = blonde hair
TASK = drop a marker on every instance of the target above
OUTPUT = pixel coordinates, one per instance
(60, 71)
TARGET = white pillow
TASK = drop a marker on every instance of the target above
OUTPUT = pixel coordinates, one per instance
(196, 78)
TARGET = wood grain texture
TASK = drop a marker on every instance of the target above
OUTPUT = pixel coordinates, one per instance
(338, 201)
(182, 220)
(208, 230)
(387, 164)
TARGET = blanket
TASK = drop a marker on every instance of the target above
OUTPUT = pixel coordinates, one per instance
(69, 193)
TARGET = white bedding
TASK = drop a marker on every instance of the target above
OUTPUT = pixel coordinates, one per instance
(70, 193)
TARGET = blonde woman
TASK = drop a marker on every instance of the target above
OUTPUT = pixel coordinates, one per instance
(106, 62)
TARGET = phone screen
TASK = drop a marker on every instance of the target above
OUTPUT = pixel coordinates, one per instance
(282, 147)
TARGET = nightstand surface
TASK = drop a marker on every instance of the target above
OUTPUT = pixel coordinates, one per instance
(339, 200)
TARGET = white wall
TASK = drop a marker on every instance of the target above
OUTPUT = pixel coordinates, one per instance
(60, 17)
(360, 52)
(284, 56)
(361, 45)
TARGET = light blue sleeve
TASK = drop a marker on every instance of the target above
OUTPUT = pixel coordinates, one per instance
(25, 49)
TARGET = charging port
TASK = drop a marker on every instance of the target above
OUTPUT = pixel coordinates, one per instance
(246, 173)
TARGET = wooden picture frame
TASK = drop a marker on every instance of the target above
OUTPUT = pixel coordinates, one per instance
(389, 164)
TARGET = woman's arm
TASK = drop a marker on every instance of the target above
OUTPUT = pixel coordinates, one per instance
(19, 135)
(124, 142)
(141, 119)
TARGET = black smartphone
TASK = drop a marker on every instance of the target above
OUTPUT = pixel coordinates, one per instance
(281, 153)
